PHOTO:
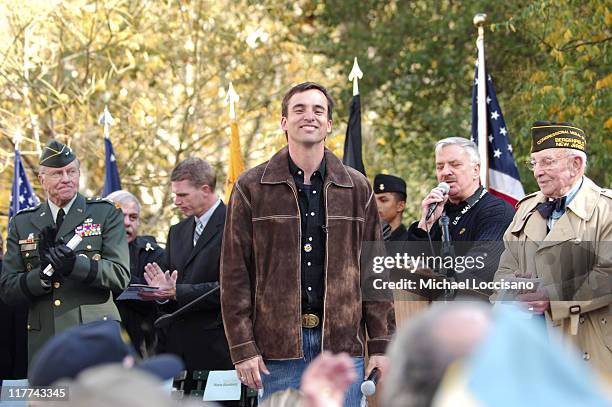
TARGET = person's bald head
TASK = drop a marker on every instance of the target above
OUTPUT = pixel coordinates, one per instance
(424, 349)
(449, 331)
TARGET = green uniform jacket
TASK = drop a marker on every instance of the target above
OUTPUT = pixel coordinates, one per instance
(102, 265)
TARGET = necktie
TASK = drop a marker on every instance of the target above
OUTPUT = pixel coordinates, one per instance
(386, 232)
(547, 208)
(60, 218)
(197, 232)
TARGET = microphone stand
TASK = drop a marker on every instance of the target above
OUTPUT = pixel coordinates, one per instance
(447, 250)
(167, 319)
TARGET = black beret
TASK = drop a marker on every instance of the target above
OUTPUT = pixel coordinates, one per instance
(389, 183)
(56, 155)
(556, 135)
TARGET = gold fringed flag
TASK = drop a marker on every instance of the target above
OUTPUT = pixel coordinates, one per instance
(236, 165)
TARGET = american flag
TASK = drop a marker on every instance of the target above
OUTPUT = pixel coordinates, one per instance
(22, 195)
(504, 179)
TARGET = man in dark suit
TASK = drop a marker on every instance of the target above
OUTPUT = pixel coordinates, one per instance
(137, 316)
(193, 251)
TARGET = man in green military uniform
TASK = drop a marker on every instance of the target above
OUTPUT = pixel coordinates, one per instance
(79, 289)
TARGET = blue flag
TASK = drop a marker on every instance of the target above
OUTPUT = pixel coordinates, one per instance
(504, 179)
(111, 175)
(22, 194)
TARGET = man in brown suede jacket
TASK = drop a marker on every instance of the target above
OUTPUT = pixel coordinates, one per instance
(290, 263)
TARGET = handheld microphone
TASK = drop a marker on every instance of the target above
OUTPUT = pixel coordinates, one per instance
(368, 387)
(72, 244)
(432, 206)
(443, 223)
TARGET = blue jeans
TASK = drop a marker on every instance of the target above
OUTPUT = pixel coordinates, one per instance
(285, 374)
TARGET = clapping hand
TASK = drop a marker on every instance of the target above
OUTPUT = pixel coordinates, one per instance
(45, 241)
(166, 282)
(61, 258)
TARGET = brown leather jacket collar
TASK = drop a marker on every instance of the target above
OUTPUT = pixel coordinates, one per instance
(277, 170)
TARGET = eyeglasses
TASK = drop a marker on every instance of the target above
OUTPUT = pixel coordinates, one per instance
(57, 175)
(545, 163)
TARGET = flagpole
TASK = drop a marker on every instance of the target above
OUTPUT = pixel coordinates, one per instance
(354, 76)
(479, 21)
(106, 120)
(112, 181)
(17, 139)
(352, 143)
(231, 98)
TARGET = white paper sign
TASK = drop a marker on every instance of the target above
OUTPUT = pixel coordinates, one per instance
(222, 385)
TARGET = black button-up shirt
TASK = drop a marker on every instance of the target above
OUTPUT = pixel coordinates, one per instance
(312, 214)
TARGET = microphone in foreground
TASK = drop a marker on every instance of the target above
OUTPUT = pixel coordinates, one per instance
(368, 387)
(444, 187)
(72, 244)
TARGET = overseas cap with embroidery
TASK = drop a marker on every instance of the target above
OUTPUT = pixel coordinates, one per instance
(56, 155)
(556, 135)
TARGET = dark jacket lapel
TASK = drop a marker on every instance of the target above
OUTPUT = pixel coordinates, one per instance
(214, 226)
(182, 244)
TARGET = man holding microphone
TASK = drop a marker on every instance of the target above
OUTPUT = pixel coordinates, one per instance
(474, 214)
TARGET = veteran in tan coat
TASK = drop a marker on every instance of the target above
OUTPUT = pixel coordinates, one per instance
(562, 236)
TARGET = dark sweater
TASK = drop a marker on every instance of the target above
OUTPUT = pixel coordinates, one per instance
(486, 221)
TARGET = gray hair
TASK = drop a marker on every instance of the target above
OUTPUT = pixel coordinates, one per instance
(122, 196)
(468, 146)
(572, 152)
(423, 350)
(196, 170)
